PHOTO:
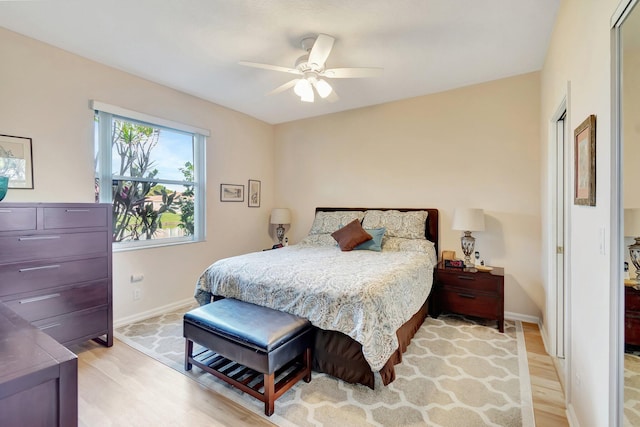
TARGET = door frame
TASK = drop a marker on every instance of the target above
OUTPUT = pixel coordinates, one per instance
(557, 303)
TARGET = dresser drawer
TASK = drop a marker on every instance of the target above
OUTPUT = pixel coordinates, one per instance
(57, 302)
(17, 219)
(33, 276)
(76, 327)
(471, 304)
(477, 281)
(79, 217)
(39, 246)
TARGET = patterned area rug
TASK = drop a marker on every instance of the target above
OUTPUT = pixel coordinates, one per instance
(456, 372)
(632, 389)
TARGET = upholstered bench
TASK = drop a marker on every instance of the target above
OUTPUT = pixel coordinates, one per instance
(250, 347)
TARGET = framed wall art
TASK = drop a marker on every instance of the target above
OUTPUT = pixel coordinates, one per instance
(585, 163)
(254, 193)
(231, 193)
(16, 161)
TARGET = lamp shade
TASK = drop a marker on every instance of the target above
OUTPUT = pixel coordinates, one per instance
(467, 219)
(632, 222)
(280, 216)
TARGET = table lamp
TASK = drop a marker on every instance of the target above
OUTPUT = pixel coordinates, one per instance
(468, 220)
(280, 216)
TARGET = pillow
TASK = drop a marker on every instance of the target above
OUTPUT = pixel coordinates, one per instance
(328, 222)
(351, 235)
(398, 244)
(323, 239)
(374, 244)
(407, 225)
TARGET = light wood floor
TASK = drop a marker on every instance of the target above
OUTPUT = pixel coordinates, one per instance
(120, 386)
(547, 393)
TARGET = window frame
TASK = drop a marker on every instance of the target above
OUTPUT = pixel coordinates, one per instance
(103, 169)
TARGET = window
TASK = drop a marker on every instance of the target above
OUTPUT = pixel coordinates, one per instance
(152, 172)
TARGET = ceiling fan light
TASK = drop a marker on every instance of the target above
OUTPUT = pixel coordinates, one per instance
(302, 87)
(307, 96)
(324, 89)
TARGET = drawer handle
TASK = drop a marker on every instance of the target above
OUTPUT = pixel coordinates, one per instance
(470, 296)
(40, 298)
(44, 267)
(23, 238)
(49, 326)
(77, 210)
(5, 211)
(466, 278)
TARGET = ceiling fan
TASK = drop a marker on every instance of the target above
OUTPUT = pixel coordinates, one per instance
(311, 68)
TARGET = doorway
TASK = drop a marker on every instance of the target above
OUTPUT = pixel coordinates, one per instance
(557, 310)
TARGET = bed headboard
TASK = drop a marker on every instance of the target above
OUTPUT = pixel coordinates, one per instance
(431, 225)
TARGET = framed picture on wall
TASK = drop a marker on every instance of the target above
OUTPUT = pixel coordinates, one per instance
(585, 163)
(231, 193)
(16, 161)
(254, 193)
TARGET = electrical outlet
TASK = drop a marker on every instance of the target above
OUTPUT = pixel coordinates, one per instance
(137, 293)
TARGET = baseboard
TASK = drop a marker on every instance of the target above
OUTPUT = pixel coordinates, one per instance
(545, 338)
(151, 313)
(571, 416)
(521, 317)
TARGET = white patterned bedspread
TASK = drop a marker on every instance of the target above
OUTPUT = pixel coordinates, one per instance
(364, 294)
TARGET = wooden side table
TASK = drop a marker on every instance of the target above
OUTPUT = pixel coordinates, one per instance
(631, 314)
(479, 294)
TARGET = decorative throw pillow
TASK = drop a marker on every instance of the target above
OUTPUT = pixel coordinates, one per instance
(351, 235)
(375, 244)
(328, 222)
(408, 225)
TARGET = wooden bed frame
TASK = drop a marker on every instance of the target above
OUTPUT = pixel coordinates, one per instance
(340, 356)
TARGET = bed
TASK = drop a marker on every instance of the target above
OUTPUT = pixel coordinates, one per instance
(365, 305)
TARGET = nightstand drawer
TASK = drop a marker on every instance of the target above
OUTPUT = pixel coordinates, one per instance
(469, 303)
(631, 299)
(476, 281)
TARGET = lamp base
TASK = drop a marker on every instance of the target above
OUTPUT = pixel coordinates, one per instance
(468, 243)
(280, 233)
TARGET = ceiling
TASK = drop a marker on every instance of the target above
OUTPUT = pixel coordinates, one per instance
(424, 46)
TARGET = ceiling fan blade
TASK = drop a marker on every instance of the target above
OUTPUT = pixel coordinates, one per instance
(270, 67)
(351, 73)
(287, 85)
(321, 50)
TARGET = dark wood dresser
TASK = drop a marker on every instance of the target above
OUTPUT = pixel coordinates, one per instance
(38, 376)
(55, 268)
(631, 315)
(479, 294)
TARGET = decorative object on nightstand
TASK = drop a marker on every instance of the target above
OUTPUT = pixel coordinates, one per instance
(281, 217)
(468, 220)
(479, 294)
(632, 229)
(4, 185)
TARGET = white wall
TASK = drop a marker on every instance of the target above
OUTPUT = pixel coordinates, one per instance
(475, 147)
(44, 95)
(579, 53)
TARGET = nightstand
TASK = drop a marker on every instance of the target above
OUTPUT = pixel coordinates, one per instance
(479, 294)
(631, 315)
